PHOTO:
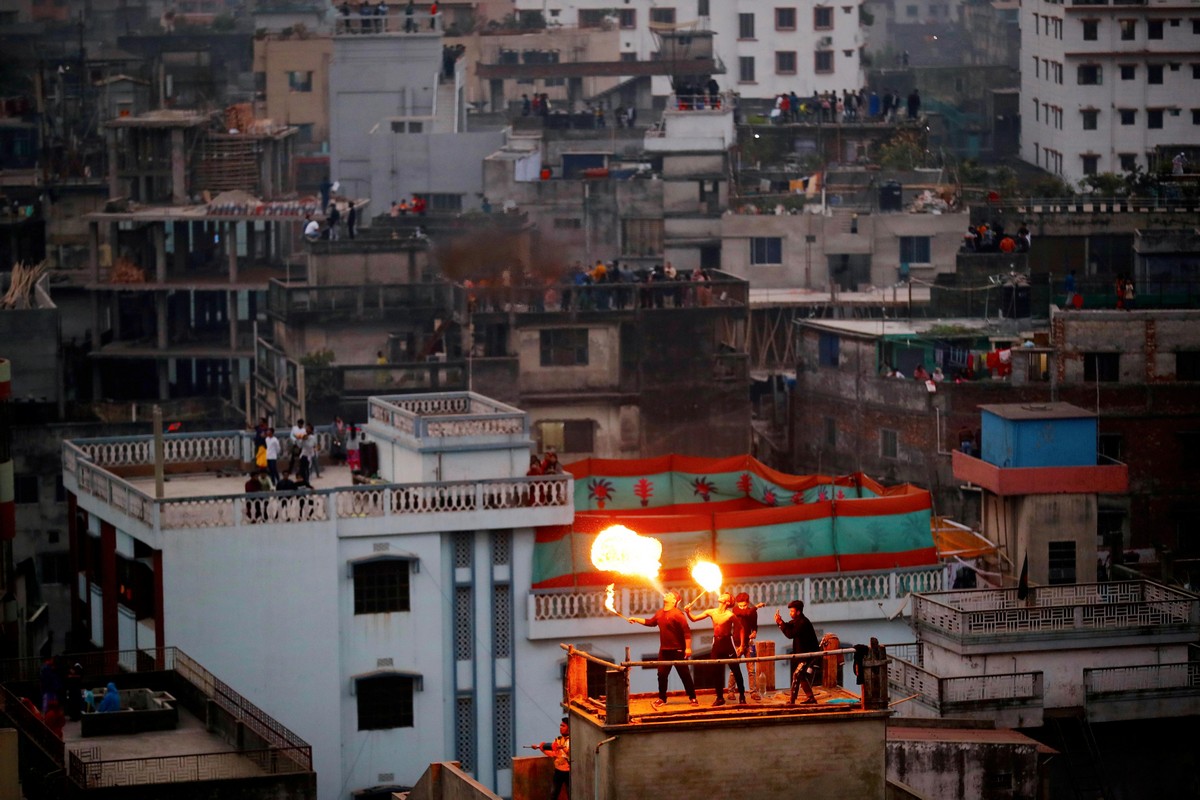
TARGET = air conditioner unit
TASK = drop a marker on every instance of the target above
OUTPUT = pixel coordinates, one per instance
(825, 41)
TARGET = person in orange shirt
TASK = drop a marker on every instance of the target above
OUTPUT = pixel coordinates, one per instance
(560, 751)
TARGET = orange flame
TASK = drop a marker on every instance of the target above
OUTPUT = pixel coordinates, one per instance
(707, 574)
(609, 594)
(618, 549)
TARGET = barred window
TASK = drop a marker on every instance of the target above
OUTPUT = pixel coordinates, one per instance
(381, 586)
(385, 701)
(462, 549)
(502, 620)
(464, 732)
(464, 637)
(503, 728)
(501, 548)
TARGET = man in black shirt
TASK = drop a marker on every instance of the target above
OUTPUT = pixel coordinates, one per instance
(804, 640)
(674, 644)
(286, 484)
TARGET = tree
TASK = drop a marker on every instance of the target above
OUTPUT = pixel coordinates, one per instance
(902, 151)
(1105, 184)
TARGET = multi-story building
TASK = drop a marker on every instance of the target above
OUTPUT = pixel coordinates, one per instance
(1134, 368)
(766, 50)
(1103, 85)
(421, 615)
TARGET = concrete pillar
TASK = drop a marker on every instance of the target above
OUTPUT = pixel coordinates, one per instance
(178, 164)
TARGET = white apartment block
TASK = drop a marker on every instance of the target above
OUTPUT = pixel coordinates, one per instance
(1105, 84)
(391, 623)
(767, 48)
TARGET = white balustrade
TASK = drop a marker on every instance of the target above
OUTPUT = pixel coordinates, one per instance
(1143, 678)
(814, 589)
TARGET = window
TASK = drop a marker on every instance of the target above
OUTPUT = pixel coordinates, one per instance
(1091, 29)
(1196, 116)
(627, 18)
(443, 201)
(564, 347)
(1091, 164)
(914, 250)
(1154, 118)
(830, 433)
(888, 447)
(766, 250)
(823, 61)
(400, 126)
(1102, 367)
(1154, 29)
(702, 8)
(591, 17)
(1061, 561)
(910, 11)
(1089, 119)
(1189, 442)
(1108, 445)
(1196, 71)
(1187, 365)
(385, 701)
(300, 81)
(785, 62)
(641, 237)
(746, 69)
(822, 18)
(1154, 73)
(566, 436)
(56, 567)
(785, 19)
(1128, 116)
(381, 586)
(827, 346)
(663, 16)
(25, 488)
(1128, 72)
(629, 58)
(745, 26)
(1128, 29)
(1128, 161)
(1089, 75)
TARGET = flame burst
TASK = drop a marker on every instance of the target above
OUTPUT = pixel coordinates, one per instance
(707, 574)
(618, 549)
(609, 596)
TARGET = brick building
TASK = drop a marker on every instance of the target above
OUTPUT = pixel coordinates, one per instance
(1137, 369)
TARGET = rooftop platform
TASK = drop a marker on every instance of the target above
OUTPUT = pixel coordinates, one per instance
(220, 735)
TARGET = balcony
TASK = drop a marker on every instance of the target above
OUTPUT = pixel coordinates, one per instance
(1012, 699)
(1136, 692)
(572, 614)
(1109, 478)
(291, 303)
(113, 478)
(1085, 615)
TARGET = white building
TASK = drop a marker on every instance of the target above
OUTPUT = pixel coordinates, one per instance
(390, 624)
(1103, 86)
(767, 49)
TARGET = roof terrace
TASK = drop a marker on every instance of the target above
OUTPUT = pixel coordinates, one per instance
(220, 735)
(1056, 617)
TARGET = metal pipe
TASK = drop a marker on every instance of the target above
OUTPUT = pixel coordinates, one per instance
(596, 769)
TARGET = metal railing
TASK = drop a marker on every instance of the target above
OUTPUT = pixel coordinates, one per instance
(814, 590)
(390, 22)
(284, 300)
(609, 296)
(1057, 609)
(285, 751)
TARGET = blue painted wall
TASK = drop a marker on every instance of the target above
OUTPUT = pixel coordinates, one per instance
(1039, 442)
